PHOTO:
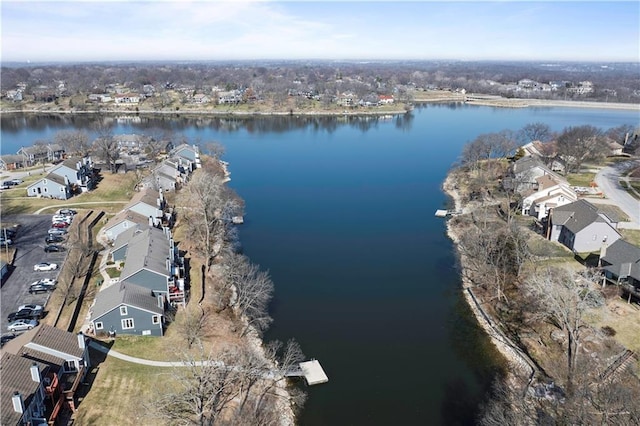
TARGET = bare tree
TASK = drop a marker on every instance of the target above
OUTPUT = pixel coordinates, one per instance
(562, 296)
(253, 290)
(578, 144)
(105, 146)
(73, 141)
(534, 132)
(208, 209)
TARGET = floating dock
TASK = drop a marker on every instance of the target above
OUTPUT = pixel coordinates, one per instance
(445, 213)
(313, 372)
(237, 220)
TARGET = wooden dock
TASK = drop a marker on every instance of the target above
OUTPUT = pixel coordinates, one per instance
(237, 220)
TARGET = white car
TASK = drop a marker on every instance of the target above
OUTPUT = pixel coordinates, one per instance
(45, 266)
(61, 218)
(45, 281)
(22, 325)
(33, 307)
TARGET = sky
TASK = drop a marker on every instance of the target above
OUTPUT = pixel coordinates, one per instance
(89, 31)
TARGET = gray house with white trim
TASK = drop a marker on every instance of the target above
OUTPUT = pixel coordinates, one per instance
(620, 263)
(123, 221)
(51, 186)
(190, 154)
(127, 308)
(582, 227)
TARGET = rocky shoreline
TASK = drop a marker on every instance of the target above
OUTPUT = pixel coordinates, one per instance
(520, 365)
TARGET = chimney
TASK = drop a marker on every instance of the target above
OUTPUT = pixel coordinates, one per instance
(66, 180)
(18, 404)
(35, 372)
(78, 165)
(151, 221)
(81, 342)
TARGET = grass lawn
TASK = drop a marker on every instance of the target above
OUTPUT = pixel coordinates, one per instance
(120, 393)
(580, 179)
(631, 236)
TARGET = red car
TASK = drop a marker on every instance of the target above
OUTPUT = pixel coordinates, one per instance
(60, 225)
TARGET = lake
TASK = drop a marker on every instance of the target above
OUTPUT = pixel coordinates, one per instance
(341, 212)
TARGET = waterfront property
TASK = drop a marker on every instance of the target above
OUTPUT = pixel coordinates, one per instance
(41, 371)
(620, 263)
(68, 178)
(51, 186)
(127, 308)
(582, 227)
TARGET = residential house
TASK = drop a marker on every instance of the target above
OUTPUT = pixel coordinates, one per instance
(100, 97)
(123, 221)
(582, 227)
(127, 308)
(22, 394)
(189, 156)
(11, 162)
(131, 142)
(149, 203)
(527, 169)
(79, 171)
(385, 99)
(166, 176)
(149, 261)
(549, 193)
(620, 263)
(201, 98)
(127, 98)
(41, 371)
(119, 249)
(14, 95)
(51, 186)
(40, 153)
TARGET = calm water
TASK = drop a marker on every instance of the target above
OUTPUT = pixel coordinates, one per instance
(341, 212)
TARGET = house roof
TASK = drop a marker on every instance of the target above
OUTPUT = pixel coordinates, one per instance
(577, 215)
(546, 181)
(12, 158)
(124, 237)
(148, 249)
(16, 376)
(124, 293)
(52, 177)
(147, 196)
(129, 215)
(621, 251)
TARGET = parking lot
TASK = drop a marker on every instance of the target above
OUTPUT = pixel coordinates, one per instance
(29, 244)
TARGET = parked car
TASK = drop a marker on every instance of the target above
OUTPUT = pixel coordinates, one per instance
(22, 325)
(45, 266)
(67, 212)
(24, 314)
(8, 233)
(54, 239)
(32, 306)
(41, 288)
(8, 184)
(6, 241)
(5, 338)
(59, 225)
(16, 181)
(48, 281)
(62, 217)
(57, 231)
(53, 248)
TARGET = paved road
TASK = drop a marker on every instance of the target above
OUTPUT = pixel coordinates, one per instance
(29, 246)
(608, 181)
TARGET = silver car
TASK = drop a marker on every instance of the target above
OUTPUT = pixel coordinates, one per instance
(22, 325)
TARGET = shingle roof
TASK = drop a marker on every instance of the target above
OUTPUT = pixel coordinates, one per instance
(12, 158)
(58, 340)
(148, 249)
(124, 293)
(147, 196)
(623, 259)
(16, 376)
(134, 217)
(577, 215)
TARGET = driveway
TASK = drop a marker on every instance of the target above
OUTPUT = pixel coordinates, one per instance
(608, 181)
(29, 244)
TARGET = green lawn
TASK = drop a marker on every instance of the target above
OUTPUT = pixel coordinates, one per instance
(580, 179)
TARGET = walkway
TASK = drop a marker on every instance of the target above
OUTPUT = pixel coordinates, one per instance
(151, 363)
(85, 203)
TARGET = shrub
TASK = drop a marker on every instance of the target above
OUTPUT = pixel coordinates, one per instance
(608, 331)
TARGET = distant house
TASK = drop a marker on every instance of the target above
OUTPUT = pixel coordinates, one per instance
(620, 263)
(41, 153)
(79, 171)
(41, 371)
(51, 186)
(126, 98)
(189, 155)
(127, 308)
(527, 169)
(131, 142)
(582, 227)
(149, 203)
(385, 99)
(11, 162)
(201, 98)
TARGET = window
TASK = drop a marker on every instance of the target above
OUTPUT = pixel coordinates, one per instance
(61, 189)
(123, 310)
(44, 181)
(127, 323)
(155, 319)
(99, 326)
(34, 190)
(45, 189)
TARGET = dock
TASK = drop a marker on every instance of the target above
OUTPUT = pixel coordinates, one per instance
(237, 220)
(446, 213)
(311, 371)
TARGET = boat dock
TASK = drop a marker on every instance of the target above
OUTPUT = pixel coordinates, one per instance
(311, 371)
(445, 213)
